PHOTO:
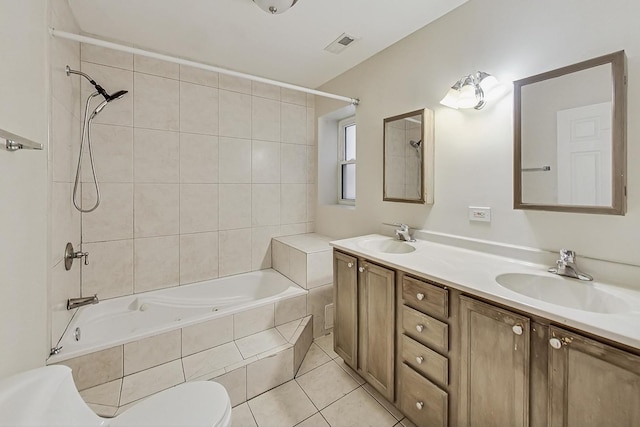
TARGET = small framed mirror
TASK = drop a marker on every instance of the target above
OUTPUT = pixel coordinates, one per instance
(408, 157)
(570, 138)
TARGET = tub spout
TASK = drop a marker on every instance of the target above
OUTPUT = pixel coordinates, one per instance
(79, 302)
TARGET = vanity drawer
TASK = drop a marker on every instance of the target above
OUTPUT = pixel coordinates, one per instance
(425, 297)
(426, 361)
(425, 329)
(421, 400)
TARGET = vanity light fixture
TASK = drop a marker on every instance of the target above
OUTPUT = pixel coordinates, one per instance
(275, 7)
(473, 91)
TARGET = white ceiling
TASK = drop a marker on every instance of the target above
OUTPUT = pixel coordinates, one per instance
(238, 35)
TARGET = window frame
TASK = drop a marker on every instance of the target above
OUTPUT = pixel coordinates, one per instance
(342, 126)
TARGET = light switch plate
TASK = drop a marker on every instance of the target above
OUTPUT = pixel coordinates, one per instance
(479, 214)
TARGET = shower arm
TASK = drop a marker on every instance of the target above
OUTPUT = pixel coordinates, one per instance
(99, 88)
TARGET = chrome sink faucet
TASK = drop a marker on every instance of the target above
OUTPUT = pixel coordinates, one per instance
(402, 233)
(566, 266)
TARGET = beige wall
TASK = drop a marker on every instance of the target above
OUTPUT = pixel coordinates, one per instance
(473, 149)
(23, 195)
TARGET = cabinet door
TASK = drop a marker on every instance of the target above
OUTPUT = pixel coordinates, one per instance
(494, 375)
(377, 327)
(345, 303)
(590, 383)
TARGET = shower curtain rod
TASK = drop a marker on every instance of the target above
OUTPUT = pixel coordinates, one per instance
(141, 52)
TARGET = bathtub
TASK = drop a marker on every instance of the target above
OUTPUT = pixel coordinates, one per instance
(129, 318)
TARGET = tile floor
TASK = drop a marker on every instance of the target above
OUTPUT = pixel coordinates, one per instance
(325, 393)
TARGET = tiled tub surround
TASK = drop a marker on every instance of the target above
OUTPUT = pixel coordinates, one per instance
(112, 380)
(307, 259)
(197, 172)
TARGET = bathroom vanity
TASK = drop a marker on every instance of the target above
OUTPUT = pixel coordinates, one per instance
(430, 328)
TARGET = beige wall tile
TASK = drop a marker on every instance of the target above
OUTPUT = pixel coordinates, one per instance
(110, 270)
(292, 229)
(119, 112)
(293, 203)
(107, 394)
(294, 164)
(235, 206)
(235, 114)
(270, 372)
(64, 285)
(315, 357)
(260, 342)
(200, 365)
(198, 208)
(294, 96)
(156, 210)
(65, 221)
(265, 90)
(156, 103)
(265, 162)
(290, 309)
(151, 381)
(261, 246)
(233, 258)
(298, 267)
(311, 126)
(153, 351)
(104, 56)
(156, 156)
(206, 335)
(65, 89)
(317, 299)
(157, 263)
(144, 64)
(287, 330)
(65, 132)
(112, 153)
(198, 158)
(280, 256)
(310, 227)
(294, 124)
(96, 368)
(235, 84)
(235, 382)
(319, 268)
(302, 343)
(265, 204)
(198, 76)
(265, 119)
(198, 257)
(312, 202)
(253, 321)
(234, 157)
(198, 109)
(113, 219)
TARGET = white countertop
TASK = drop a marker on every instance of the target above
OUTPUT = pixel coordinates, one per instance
(474, 273)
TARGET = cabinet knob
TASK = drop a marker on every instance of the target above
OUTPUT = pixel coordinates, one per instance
(419, 328)
(349, 264)
(361, 269)
(419, 405)
(420, 296)
(555, 343)
(517, 329)
(419, 359)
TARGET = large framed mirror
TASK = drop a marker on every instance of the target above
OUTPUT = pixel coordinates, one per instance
(408, 157)
(570, 138)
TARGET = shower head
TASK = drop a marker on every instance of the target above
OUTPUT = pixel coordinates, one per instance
(117, 95)
(415, 144)
(100, 89)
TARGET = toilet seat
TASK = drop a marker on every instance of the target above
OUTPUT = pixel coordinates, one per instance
(202, 403)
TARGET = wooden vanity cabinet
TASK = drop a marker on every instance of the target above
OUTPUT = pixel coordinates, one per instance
(364, 327)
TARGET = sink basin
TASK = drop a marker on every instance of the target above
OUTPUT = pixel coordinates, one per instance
(565, 292)
(387, 246)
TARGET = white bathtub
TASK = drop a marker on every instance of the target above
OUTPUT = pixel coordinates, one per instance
(133, 317)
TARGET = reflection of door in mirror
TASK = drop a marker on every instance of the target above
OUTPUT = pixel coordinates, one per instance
(566, 139)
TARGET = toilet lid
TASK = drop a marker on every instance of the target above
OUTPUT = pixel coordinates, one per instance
(199, 403)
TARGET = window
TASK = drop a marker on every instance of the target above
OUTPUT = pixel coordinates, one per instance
(347, 161)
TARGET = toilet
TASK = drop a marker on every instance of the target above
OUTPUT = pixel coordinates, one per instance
(48, 397)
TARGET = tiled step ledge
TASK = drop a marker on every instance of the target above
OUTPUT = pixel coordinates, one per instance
(246, 367)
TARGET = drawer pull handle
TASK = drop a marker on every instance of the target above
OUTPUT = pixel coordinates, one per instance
(517, 329)
(419, 405)
(350, 265)
(361, 269)
(420, 296)
(419, 359)
(419, 328)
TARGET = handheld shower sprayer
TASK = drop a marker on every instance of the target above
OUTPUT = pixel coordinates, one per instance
(415, 144)
(86, 130)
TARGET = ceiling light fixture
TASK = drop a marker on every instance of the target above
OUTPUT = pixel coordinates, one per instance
(473, 91)
(275, 7)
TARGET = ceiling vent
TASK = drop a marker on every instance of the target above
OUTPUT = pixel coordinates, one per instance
(341, 43)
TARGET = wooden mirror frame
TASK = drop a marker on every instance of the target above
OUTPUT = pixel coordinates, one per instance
(426, 157)
(618, 136)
